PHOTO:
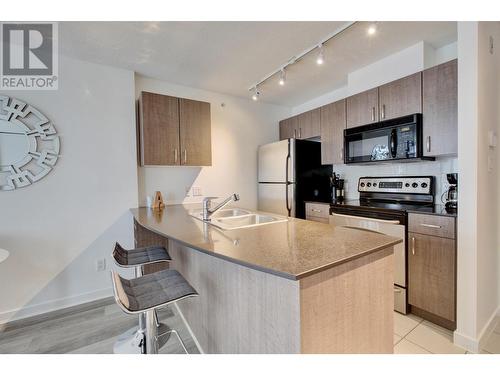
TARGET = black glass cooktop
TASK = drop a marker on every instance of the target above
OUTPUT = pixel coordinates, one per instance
(386, 205)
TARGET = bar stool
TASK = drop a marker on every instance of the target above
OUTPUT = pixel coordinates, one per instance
(130, 341)
(147, 293)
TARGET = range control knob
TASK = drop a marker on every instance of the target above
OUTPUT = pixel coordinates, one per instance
(362, 184)
(374, 184)
(407, 184)
(414, 185)
(368, 184)
(424, 185)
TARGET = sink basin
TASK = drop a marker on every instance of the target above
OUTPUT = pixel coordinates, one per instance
(237, 218)
(245, 221)
(225, 212)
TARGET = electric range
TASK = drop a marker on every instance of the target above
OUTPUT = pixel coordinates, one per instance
(383, 207)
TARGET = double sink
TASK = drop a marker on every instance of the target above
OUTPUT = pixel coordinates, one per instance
(237, 218)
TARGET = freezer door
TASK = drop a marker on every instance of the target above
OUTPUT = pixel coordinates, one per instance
(272, 199)
(273, 160)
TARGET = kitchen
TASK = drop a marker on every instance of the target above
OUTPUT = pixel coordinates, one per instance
(374, 154)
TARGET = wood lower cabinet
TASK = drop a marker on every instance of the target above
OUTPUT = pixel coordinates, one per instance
(401, 97)
(319, 212)
(432, 276)
(159, 129)
(440, 109)
(195, 133)
(333, 124)
(174, 131)
(362, 108)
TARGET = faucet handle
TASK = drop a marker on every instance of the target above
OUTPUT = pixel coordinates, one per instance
(207, 200)
(236, 197)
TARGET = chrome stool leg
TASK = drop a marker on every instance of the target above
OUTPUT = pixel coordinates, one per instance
(151, 333)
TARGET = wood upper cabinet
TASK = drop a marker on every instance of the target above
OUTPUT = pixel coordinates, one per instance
(333, 123)
(159, 129)
(287, 128)
(195, 133)
(308, 124)
(174, 131)
(401, 97)
(431, 273)
(362, 108)
(440, 110)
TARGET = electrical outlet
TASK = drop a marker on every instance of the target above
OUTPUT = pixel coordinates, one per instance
(100, 265)
(196, 191)
(188, 191)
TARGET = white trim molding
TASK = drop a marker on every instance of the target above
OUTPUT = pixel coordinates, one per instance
(53, 305)
(474, 345)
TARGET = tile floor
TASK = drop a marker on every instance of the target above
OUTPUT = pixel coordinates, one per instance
(414, 335)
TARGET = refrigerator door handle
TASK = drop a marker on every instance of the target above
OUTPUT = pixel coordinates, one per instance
(287, 163)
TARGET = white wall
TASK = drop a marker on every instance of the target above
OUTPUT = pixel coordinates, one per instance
(239, 126)
(400, 64)
(56, 228)
(478, 99)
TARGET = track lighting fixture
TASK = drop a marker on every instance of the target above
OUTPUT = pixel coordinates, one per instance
(372, 29)
(282, 77)
(321, 58)
(256, 94)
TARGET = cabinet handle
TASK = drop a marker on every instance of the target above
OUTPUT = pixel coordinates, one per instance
(383, 111)
(431, 226)
(413, 245)
(428, 143)
(294, 133)
(342, 153)
(315, 210)
(300, 132)
(397, 290)
(175, 156)
(373, 113)
(185, 156)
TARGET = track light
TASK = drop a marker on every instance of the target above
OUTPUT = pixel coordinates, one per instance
(256, 94)
(372, 29)
(321, 58)
(282, 77)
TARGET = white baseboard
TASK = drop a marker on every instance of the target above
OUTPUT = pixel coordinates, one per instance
(53, 305)
(196, 342)
(474, 345)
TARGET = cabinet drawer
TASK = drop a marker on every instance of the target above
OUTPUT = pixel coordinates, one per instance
(320, 210)
(434, 225)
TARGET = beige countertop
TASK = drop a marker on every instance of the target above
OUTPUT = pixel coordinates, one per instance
(293, 249)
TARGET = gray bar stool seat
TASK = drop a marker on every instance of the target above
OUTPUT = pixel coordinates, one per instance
(147, 293)
(130, 341)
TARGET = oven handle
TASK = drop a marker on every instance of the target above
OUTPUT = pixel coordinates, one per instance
(369, 218)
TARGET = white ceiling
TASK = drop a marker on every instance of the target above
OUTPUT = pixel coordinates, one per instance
(229, 57)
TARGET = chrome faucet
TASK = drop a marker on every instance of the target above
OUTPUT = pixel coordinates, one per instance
(208, 211)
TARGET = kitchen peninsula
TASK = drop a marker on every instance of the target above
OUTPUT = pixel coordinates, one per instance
(287, 287)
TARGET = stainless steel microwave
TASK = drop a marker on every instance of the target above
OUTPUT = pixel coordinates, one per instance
(397, 139)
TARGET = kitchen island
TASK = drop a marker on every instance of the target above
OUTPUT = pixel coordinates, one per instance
(287, 287)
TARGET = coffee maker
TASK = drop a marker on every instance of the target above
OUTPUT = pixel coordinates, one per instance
(452, 193)
(337, 185)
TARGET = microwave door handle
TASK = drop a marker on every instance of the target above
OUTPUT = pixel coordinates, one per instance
(394, 143)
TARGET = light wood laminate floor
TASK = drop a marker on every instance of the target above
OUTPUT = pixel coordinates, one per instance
(92, 329)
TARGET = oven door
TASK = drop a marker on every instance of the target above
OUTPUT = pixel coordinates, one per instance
(391, 228)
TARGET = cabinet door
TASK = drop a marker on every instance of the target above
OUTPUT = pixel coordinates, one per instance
(362, 108)
(195, 133)
(287, 128)
(308, 125)
(333, 123)
(159, 129)
(440, 110)
(400, 98)
(431, 263)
